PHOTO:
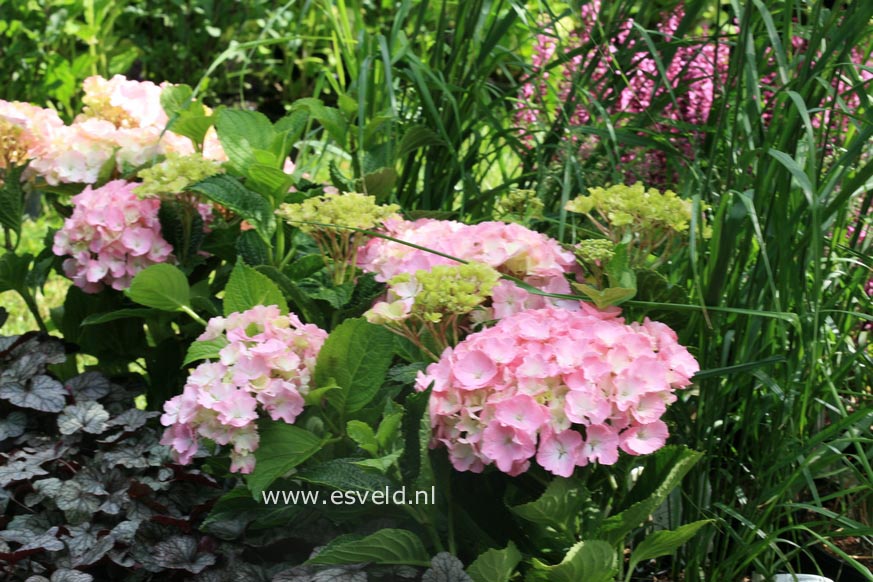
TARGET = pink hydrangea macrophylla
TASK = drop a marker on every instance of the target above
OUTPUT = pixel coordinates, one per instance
(25, 131)
(510, 248)
(565, 387)
(110, 237)
(266, 366)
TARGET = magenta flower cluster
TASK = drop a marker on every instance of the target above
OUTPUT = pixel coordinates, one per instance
(266, 365)
(699, 69)
(567, 388)
(510, 248)
(111, 236)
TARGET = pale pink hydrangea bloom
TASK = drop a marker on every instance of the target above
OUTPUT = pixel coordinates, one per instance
(266, 365)
(565, 387)
(123, 121)
(37, 125)
(110, 237)
(510, 248)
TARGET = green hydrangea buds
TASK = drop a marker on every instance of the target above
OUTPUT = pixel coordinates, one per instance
(519, 206)
(316, 217)
(595, 250)
(348, 209)
(176, 174)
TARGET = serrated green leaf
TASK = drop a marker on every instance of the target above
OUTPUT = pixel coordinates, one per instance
(382, 464)
(175, 98)
(99, 318)
(269, 180)
(418, 136)
(330, 118)
(12, 200)
(248, 288)
(389, 430)
(664, 542)
(304, 267)
(205, 350)
(557, 508)
(495, 565)
(605, 297)
(616, 527)
(282, 447)
(591, 561)
(363, 435)
(379, 183)
(242, 132)
(344, 475)
(356, 356)
(386, 546)
(162, 287)
(13, 271)
(228, 192)
(252, 249)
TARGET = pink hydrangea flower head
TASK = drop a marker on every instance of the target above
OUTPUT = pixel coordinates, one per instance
(266, 367)
(510, 393)
(509, 248)
(110, 237)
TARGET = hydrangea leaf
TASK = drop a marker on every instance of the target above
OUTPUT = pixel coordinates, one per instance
(205, 350)
(248, 288)
(283, 447)
(386, 546)
(161, 286)
(41, 393)
(495, 565)
(356, 356)
(88, 416)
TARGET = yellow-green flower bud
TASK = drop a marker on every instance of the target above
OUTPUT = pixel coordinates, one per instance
(349, 209)
(176, 174)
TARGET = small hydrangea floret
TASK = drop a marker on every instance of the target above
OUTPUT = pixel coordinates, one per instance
(566, 388)
(266, 365)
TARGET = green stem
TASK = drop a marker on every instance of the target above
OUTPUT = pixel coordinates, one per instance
(193, 315)
(31, 305)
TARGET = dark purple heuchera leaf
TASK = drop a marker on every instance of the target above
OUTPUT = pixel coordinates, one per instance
(40, 393)
(19, 471)
(180, 553)
(31, 540)
(13, 425)
(88, 416)
(445, 567)
(66, 575)
(350, 573)
(89, 386)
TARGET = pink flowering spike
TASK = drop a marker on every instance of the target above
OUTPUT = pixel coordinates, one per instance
(559, 453)
(601, 444)
(521, 412)
(643, 439)
(506, 445)
(474, 370)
